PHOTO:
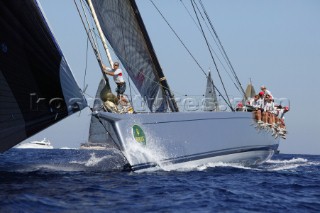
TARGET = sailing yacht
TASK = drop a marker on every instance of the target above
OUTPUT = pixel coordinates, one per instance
(178, 138)
(43, 144)
(211, 101)
(38, 90)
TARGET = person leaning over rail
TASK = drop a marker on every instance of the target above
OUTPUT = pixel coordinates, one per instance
(117, 74)
(280, 120)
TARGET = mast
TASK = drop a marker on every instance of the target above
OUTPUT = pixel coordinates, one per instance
(162, 79)
(91, 39)
(101, 35)
(106, 94)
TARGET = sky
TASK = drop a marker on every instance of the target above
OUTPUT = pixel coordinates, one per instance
(272, 42)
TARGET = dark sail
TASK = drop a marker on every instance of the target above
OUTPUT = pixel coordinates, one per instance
(211, 101)
(97, 132)
(250, 92)
(123, 27)
(37, 88)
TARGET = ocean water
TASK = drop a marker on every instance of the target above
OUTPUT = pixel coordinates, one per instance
(66, 180)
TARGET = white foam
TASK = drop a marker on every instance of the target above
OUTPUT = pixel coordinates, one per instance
(137, 153)
(59, 168)
(294, 160)
(285, 167)
(279, 165)
(92, 161)
(67, 148)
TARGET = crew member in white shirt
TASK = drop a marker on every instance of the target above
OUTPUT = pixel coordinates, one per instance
(266, 92)
(117, 74)
(257, 105)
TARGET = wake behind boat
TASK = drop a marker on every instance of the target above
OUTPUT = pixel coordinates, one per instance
(43, 144)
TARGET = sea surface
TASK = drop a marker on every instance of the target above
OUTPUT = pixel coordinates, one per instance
(70, 180)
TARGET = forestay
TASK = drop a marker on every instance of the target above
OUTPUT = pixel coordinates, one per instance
(97, 132)
(37, 88)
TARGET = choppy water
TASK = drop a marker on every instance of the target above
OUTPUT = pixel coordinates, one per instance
(91, 181)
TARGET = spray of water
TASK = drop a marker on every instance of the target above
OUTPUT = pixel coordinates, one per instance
(137, 153)
(93, 160)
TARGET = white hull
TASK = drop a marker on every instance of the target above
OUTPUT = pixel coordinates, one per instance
(32, 146)
(178, 139)
(44, 144)
(93, 146)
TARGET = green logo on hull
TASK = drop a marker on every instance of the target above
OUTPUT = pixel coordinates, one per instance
(139, 135)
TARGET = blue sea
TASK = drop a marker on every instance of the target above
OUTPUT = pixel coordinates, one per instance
(67, 180)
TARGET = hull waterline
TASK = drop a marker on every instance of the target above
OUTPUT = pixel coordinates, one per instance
(175, 140)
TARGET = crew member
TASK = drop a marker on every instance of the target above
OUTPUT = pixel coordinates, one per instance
(117, 74)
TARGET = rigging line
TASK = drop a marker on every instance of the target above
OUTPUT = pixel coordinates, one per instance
(229, 104)
(224, 54)
(213, 37)
(200, 31)
(86, 67)
(97, 52)
(221, 52)
(216, 35)
(179, 38)
(194, 5)
(156, 82)
(145, 76)
(89, 32)
(228, 60)
(113, 140)
(221, 95)
(218, 45)
(91, 38)
(96, 35)
(87, 94)
(92, 29)
(86, 26)
(222, 64)
(89, 26)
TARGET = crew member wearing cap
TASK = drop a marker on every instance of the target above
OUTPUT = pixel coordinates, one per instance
(116, 72)
(265, 91)
(261, 100)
